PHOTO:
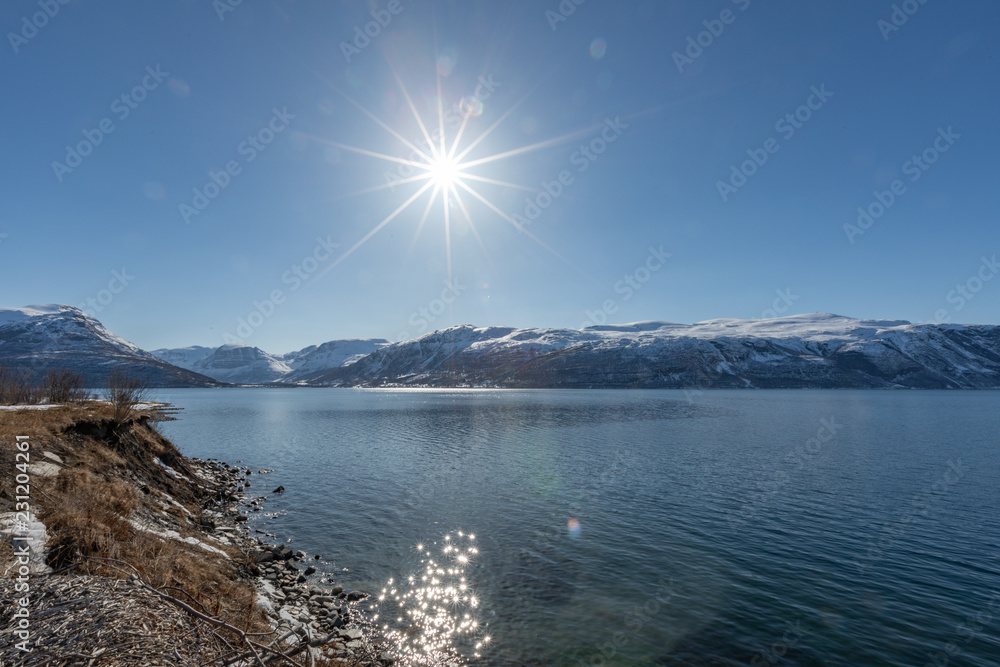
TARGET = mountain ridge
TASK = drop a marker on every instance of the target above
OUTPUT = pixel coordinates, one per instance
(36, 339)
(808, 350)
(818, 350)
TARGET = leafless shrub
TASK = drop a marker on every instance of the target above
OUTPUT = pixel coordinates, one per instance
(124, 392)
(16, 387)
(63, 386)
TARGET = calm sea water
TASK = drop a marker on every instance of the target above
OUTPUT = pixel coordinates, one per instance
(645, 527)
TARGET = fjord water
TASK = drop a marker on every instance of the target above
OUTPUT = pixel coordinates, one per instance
(648, 527)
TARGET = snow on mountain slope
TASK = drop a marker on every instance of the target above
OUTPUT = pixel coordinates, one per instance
(41, 338)
(185, 357)
(815, 350)
(238, 364)
(50, 325)
(241, 364)
(812, 326)
(332, 354)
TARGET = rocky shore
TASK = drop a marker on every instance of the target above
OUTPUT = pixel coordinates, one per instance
(142, 556)
(328, 616)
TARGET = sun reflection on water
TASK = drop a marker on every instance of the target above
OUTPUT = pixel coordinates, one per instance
(432, 616)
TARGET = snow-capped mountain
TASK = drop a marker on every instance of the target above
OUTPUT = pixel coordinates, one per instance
(185, 357)
(237, 364)
(816, 350)
(240, 364)
(333, 354)
(41, 338)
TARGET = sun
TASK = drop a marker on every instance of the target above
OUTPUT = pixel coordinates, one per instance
(445, 171)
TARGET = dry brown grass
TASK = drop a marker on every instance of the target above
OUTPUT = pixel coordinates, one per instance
(87, 507)
(6, 556)
(109, 477)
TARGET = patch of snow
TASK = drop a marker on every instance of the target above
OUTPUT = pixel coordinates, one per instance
(35, 536)
(44, 469)
(52, 457)
(46, 406)
(11, 315)
(174, 535)
(207, 547)
(170, 471)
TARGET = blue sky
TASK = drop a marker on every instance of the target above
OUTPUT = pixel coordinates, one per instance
(643, 128)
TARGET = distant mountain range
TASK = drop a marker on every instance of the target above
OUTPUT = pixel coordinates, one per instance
(815, 350)
(250, 365)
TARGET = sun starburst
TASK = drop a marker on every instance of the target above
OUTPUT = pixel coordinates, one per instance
(443, 168)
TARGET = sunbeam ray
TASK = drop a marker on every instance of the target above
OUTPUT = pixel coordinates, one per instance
(423, 219)
(384, 186)
(520, 228)
(447, 230)
(472, 226)
(493, 181)
(413, 107)
(548, 143)
(458, 137)
(375, 118)
(380, 156)
(506, 114)
(388, 219)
